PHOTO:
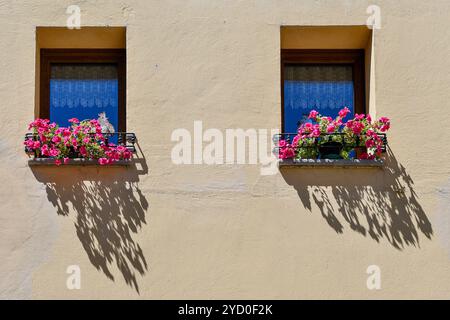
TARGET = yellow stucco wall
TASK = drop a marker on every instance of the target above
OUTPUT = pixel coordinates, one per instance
(226, 231)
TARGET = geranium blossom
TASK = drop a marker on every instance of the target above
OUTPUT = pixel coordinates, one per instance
(344, 112)
(313, 114)
(53, 152)
(357, 127)
(56, 139)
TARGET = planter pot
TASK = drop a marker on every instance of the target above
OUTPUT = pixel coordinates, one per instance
(330, 150)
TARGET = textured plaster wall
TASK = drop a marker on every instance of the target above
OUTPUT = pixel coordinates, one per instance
(166, 231)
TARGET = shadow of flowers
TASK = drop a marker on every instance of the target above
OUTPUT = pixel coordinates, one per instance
(110, 210)
(377, 203)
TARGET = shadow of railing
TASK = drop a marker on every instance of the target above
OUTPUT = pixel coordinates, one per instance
(110, 210)
(378, 203)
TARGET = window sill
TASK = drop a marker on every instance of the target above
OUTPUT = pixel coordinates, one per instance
(77, 162)
(326, 163)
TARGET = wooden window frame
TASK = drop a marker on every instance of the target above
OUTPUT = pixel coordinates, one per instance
(110, 56)
(353, 57)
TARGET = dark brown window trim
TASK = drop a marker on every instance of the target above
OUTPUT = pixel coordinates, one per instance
(354, 57)
(49, 56)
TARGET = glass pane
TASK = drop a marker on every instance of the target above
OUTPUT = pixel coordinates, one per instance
(84, 91)
(325, 88)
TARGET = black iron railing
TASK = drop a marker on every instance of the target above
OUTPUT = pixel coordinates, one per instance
(126, 139)
(347, 142)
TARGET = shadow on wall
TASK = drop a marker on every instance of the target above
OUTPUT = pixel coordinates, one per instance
(374, 202)
(110, 209)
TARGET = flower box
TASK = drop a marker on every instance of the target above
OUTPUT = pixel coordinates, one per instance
(331, 163)
(324, 138)
(83, 143)
(76, 162)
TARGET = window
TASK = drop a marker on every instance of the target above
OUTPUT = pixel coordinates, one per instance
(83, 84)
(324, 80)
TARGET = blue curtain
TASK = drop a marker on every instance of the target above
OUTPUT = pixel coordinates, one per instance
(83, 91)
(325, 88)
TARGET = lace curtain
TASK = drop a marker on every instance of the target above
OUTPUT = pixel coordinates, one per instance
(83, 91)
(325, 88)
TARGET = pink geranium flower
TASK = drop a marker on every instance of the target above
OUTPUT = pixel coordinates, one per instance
(370, 143)
(316, 133)
(289, 153)
(349, 124)
(357, 128)
(331, 128)
(384, 120)
(30, 143)
(313, 115)
(103, 161)
(308, 127)
(344, 112)
(296, 140)
(56, 139)
(44, 150)
(53, 152)
(121, 149)
(83, 151)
